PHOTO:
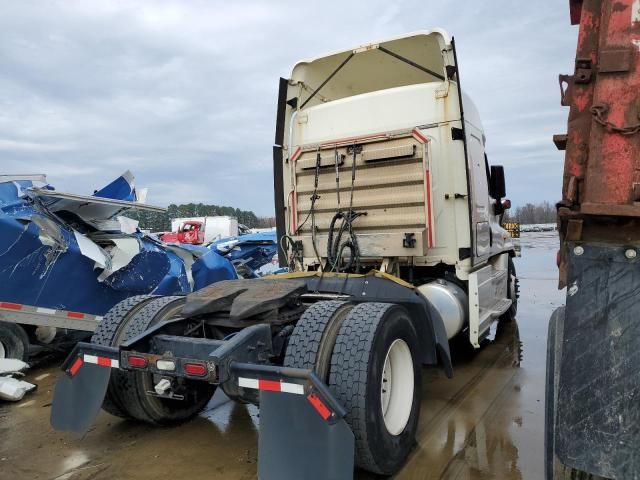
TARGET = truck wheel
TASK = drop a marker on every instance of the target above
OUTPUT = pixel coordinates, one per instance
(131, 387)
(314, 337)
(109, 333)
(14, 341)
(376, 375)
(513, 292)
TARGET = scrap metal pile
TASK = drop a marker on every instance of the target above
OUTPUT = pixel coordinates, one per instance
(79, 253)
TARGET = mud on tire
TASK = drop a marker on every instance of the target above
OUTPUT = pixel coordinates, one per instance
(366, 337)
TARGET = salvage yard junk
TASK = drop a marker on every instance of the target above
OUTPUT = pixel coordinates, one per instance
(12, 388)
(66, 259)
(253, 254)
(389, 215)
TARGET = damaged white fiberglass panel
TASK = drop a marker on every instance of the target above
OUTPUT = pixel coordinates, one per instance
(92, 210)
(111, 252)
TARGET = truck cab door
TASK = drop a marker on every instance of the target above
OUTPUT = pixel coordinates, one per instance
(480, 202)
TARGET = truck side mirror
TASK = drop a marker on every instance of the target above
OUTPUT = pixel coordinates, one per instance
(497, 188)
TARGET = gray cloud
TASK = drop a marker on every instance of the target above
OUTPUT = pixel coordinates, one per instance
(183, 93)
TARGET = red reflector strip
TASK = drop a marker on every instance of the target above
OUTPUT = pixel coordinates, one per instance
(427, 181)
(294, 212)
(137, 362)
(296, 154)
(320, 407)
(11, 306)
(102, 361)
(75, 315)
(196, 369)
(419, 136)
(269, 385)
(75, 367)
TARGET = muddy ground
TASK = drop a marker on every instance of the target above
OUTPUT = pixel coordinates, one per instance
(485, 423)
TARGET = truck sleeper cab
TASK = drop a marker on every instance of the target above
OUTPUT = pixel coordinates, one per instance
(388, 216)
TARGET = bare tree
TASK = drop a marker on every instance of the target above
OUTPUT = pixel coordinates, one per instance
(543, 212)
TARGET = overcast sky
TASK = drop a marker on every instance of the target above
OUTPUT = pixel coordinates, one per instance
(183, 93)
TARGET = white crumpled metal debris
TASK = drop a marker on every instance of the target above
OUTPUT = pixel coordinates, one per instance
(13, 389)
(12, 365)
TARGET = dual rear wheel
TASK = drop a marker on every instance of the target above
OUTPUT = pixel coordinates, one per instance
(368, 356)
(366, 353)
(128, 392)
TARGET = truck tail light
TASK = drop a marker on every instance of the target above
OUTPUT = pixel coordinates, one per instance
(166, 365)
(136, 361)
(195, 369)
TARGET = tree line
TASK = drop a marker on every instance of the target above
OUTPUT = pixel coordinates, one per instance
(543, 212)
(161, 221)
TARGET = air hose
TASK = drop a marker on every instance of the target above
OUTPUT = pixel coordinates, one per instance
(335, 244)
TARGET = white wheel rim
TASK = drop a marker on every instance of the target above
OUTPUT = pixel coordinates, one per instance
(396, 388)
(3, 352)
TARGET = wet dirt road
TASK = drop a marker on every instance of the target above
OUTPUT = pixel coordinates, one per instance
(485, 423)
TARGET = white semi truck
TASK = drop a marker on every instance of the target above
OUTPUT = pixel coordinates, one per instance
(389, 217)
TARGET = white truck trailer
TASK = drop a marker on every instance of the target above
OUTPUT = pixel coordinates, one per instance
(388, 214)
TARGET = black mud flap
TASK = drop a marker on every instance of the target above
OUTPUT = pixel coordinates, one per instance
(303, 433)
(80, 391)
(597, 420)
(296, 442)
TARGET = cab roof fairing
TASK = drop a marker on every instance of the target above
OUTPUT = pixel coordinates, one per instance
(370, 69)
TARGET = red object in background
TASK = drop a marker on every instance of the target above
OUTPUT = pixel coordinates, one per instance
(191, 232)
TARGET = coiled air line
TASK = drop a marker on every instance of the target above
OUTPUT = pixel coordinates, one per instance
(335, 245)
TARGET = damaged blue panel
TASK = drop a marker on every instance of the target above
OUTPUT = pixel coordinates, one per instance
(211, 268)
(72, 252)
(248, 253)
(121, 188)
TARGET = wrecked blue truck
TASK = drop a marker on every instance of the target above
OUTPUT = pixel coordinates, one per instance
(252, 255)
(66, 259)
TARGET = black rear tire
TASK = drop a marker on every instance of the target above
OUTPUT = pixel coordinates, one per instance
(110, 333)
(356, 378)
(14, 341)
(314, 337)
(513, 292)
(128, 390)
